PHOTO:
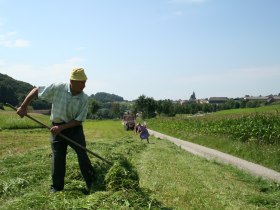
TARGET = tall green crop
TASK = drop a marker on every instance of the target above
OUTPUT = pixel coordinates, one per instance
(262, 128)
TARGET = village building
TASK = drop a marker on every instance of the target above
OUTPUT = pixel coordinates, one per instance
(218, 100)
(257, 98)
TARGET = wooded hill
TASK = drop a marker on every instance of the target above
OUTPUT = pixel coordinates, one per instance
(14, 91)
(106, 97)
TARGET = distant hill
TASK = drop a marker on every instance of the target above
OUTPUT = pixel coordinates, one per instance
(12, 91)
(106, 97)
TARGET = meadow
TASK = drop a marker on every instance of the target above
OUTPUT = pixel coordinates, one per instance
(251, 133)
(158, 175)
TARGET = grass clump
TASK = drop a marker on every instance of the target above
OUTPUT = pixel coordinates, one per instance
(122, 176)
(119, 200)
(12, 186)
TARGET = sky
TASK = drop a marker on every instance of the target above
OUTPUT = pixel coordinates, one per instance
(164, 49)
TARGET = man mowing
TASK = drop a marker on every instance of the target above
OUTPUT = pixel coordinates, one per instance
(69, 110)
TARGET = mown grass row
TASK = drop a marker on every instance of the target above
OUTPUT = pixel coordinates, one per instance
(25, 174)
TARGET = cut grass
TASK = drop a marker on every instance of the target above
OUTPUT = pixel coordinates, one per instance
(22, 141)
(169, 178)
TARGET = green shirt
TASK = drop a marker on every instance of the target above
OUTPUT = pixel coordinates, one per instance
(65, 106)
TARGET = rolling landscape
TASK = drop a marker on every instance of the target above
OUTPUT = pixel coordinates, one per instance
(178, 101)
(158, 175)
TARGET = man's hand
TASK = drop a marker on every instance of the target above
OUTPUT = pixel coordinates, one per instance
(56, 129)
(22, 111)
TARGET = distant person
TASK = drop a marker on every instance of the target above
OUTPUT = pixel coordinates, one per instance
(69, 110)
(137, 128)
(144, 133)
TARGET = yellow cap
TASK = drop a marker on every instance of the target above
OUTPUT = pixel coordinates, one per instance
(78, 74)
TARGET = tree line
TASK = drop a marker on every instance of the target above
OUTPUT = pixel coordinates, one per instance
(149, 107)
(109, 106)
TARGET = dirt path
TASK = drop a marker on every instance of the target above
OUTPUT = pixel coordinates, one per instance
(208, 153)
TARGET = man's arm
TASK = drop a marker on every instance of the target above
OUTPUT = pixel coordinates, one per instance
(22, 110)
(58, 128)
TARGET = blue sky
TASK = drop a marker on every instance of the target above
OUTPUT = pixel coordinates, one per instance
(164, 49)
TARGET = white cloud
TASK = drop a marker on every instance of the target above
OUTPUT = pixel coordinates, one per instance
(8, 40)
(10, 33)
(21, 43)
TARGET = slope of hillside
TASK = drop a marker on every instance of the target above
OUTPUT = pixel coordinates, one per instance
(12, 91)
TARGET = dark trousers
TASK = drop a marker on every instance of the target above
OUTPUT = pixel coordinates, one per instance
(59, 150)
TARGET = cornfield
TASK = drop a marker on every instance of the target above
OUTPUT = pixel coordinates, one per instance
(261, 128)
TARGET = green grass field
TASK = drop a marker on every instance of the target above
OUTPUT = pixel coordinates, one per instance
(267, 109)
(169, 177)
(252, 134)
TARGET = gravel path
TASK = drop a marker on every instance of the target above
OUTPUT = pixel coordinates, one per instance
(208, 153)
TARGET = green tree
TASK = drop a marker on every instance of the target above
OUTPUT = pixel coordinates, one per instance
(166, 107)
(146, 105)
(115, 108)
(40, 104)
(104, 113)
(243, 103)
(206, 108)
(93, 106)
(7, 94)
(106, 97)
